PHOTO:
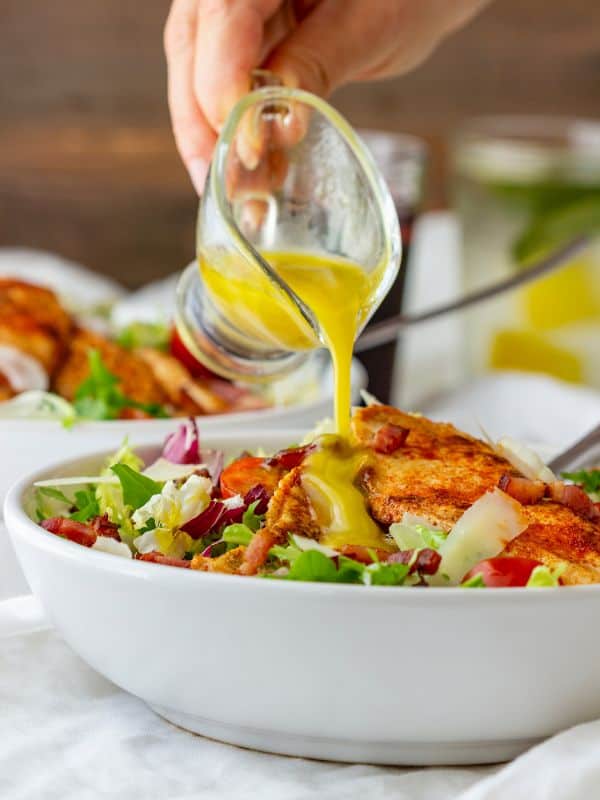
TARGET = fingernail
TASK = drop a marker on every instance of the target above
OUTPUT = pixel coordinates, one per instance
(198, 170)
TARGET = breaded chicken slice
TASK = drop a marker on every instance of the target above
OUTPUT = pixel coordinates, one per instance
(439, 472)
(290, 510)
(33, 321)
(185, 393)
(136, 379)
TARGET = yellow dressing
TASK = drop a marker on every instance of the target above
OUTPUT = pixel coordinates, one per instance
(340, 295)
(338, 292)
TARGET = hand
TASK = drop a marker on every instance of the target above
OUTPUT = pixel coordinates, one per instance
(213, 45)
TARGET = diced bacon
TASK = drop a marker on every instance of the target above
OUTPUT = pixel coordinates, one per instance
(70, 529)
(389, 438)
(159, 558)
(104, 527)
(290, 458)
(427, 561)
(574, 498)
(525, 490)
(257, 551)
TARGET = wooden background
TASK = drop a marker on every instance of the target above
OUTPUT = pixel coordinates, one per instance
(87, 163)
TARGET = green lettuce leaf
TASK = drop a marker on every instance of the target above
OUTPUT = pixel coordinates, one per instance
(416, 536)
(589, 480)
(238, 533)
(99, 396)
(544, 576)
(476, 582)
(137, 488)
(251, 519)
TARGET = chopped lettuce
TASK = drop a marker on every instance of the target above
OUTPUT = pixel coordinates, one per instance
(475, 582)
(251, 519)
(51, 502)
(312, 565)
(544, 576)
(137, 488)
(99, 396)
(87, 505)
(237, 533)
(416, 533)
(589, 480)
(110, 495)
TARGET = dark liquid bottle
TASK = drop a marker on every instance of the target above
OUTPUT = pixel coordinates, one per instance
(381, 361)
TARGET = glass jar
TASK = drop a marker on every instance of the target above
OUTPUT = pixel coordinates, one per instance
(522, 187)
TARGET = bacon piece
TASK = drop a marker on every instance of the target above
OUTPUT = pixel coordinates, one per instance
(104, 527)
(524, 490)
(427, 561)
(389, 438)
(70, 529)
(363, 554)
(290, 458)
(574, 498)
(257, 551)
(158, 558)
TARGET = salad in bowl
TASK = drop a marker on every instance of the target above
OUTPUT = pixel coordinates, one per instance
(407, 502)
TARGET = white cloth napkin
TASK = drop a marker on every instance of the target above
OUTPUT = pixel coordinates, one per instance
(66, 733)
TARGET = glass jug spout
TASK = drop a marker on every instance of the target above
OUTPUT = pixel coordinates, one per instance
(291, 191)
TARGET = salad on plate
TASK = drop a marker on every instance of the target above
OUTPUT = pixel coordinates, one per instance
(406, 502)
(55, 365)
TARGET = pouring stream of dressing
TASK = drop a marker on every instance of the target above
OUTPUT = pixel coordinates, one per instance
(340, 295)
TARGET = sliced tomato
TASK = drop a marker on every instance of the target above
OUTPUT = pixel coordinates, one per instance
(181, 353)
(509, 571)
(246, 473)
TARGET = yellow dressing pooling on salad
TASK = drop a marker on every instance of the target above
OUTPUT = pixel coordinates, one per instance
(328, 477)
(340, 295)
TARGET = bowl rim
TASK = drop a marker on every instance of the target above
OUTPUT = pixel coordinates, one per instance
(20, 526)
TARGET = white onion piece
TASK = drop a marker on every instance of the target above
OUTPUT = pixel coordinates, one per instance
(482, 532)
(108, 545)
(304, 543)
(524, 459)
(236, 501)
(36, 404)
(164, 470)
(22, 371)
(78, 480)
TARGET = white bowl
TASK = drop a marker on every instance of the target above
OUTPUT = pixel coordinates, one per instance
(370, 674)
(30, 443)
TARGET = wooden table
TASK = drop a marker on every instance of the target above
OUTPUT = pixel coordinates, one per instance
(87, 163)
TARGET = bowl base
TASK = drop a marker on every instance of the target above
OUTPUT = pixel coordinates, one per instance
(392, 753)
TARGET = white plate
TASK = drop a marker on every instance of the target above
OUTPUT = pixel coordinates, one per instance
(28, 444)
(371, 674)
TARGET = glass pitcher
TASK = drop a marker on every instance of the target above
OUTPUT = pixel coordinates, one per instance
(289, 175)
